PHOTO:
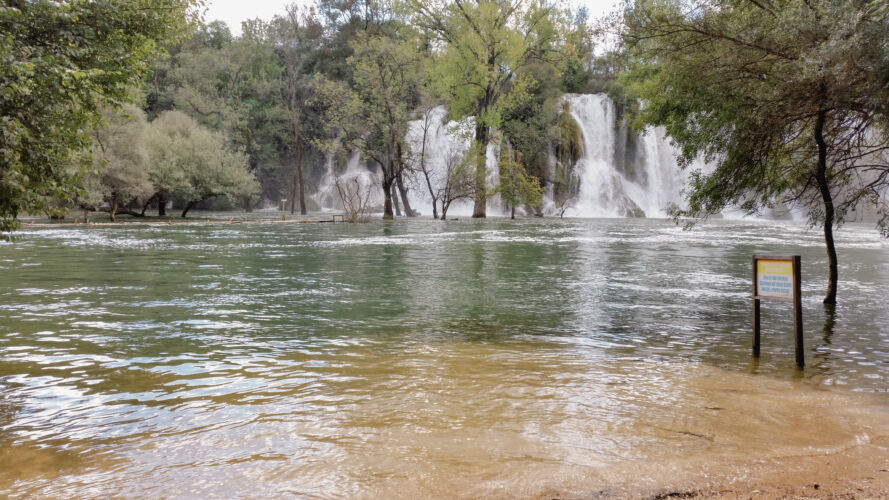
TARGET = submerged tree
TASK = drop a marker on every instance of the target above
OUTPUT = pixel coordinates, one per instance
(355, 196)
(458, 181)
(516, 186)
(486, 42)
(120, 160)
(61, 62)
(373, 115)
(788, 98)
(191, 163)
(420, 161)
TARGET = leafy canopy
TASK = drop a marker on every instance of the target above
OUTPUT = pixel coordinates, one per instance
(60, 62)
(742, 84)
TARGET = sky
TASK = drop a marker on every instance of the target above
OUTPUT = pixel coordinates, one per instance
(235, 11)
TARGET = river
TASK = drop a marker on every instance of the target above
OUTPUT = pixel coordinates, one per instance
(422, 358)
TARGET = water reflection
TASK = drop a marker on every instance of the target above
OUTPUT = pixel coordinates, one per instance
(454, 359)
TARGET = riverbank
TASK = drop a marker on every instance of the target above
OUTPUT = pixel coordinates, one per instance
(857, 472)
(32, 223)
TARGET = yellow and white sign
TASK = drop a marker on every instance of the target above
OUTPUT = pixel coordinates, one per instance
(774, 278)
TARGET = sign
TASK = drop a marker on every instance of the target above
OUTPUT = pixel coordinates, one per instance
(774, 278)
(778, 278)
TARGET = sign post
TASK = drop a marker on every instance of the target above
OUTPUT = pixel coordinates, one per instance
(778, 278)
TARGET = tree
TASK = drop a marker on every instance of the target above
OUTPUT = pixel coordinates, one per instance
(516, 186)
(191, 163)
(355, 197)
(787, 98)
(530, 123)
(428, 121)
(62, 61)
(373, 116)
(232, 85)
(459, 178)
(486, 43)
(297, 36)
(120, 161)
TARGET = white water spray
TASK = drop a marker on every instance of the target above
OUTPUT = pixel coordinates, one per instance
(609, 186)
(327, 195)
(445, 140)
(606, 189)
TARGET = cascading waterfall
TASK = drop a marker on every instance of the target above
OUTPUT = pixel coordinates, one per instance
(664, 180)
(611, 186)
(600, 184)
(620, 173)
(327, 195)
(445, 142)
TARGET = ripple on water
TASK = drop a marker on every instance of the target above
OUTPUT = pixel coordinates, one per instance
(420, 359)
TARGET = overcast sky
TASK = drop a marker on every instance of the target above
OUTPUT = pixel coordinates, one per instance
(235, 11)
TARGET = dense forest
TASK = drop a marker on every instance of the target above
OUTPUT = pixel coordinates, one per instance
(316, 84)
(218, 120)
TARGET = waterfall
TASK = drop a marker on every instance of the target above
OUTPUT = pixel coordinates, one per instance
(643, 182)
(446, 141)
(620, 173)
(327, 195)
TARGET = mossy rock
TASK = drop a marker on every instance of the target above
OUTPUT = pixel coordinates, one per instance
(570, 136)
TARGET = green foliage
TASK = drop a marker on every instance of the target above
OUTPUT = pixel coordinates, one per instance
(531, 116)
(743, 85)
(120, 159)
(343, 74)
(517, 187)
(486, 45)
(191, 163)
(372, 116)
(233, 85)
(59, 63)
(787, 97)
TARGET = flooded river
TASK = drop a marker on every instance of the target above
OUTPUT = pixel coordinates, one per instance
(422, 359)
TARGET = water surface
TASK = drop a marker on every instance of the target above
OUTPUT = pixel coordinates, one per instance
(420, 358)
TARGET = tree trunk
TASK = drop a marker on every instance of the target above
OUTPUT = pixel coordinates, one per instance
(481, 172)
(302, 184)
(113, 210)
(293, 186)
(145, 206)
(827, 198)
(395, 200)
(161, 205)
(187, 208)
(408, 211)
(434, 198)
(121, 211)
(402, 190)
(426, 172)
(444, 210)
(387, 208)
(512, 211)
